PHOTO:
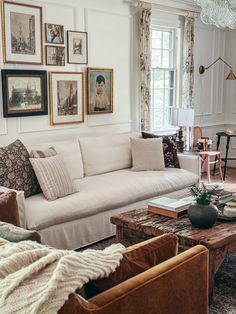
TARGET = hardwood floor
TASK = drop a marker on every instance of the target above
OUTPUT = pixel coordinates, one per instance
(230, 181)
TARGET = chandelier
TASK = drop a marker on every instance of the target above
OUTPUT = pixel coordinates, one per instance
(221, 13)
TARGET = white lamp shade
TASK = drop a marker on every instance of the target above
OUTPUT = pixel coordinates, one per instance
(182, 117)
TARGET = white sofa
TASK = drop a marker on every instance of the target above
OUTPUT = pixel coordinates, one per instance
(101, 170)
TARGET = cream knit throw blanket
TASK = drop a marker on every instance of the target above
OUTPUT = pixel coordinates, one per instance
(38, 279)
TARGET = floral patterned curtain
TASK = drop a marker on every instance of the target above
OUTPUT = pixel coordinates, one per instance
(145, 66)
(188, 63)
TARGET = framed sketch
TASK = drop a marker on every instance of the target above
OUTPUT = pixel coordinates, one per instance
(54, 33)
(55, 55)
(77, 47)
(66, 97)
(22, 33)
(99, 91)
(24, 93)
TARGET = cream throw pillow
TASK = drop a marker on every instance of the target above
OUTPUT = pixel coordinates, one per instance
(147, 154)
(53, 177)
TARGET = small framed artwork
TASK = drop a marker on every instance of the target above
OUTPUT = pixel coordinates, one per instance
(66, 97)
(24, 93)
(77, 47)
(55, 55)
(99, 91)
(22, 33)
(54, 33)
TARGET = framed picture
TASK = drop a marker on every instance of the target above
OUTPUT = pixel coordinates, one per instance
(24, 93)
(54, 33)
(66, 97)
(77, 47)
(22, 33)
(55, 55)
(100, 91)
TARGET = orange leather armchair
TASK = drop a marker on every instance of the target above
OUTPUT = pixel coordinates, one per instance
(151, 279)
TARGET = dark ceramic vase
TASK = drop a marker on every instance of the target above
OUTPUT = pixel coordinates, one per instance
(202, 216)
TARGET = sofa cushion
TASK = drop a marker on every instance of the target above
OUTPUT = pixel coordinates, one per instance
(147, 154)
(8, 208)
(104, 192)
(169, 148)
(16, 171)
(70, 151)
(106, 153)
(53, 177)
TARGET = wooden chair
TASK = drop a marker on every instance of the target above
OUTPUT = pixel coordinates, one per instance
(208, 157)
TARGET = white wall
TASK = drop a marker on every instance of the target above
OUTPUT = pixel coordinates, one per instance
(109, 24)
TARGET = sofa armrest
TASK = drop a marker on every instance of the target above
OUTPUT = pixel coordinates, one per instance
(191, 163)
(20, 198)
(180, 283)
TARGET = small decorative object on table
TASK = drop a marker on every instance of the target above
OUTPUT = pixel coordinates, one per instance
(203, 214)
(228, 212)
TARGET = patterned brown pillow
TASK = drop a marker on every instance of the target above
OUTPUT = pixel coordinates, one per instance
(169, 149)
(16, 171)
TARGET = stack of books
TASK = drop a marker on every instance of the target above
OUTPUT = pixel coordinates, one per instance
(170, 207)
(224, 197)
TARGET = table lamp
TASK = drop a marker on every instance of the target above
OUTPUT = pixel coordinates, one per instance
(183, 118)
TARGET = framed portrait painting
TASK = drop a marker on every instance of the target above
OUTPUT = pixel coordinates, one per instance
(55, 55)
(54, 33)
(24, 93)
(22, 33)
(77, 47)
(99, 91)
(66, 97)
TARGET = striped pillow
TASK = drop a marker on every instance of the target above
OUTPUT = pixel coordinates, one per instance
(53, 177)
(43, 153)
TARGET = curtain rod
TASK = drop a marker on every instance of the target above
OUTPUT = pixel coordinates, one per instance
(168, 9)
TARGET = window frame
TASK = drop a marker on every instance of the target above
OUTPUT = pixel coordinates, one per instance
(176, 65)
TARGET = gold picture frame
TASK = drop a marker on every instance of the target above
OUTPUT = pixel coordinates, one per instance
(66, 91)
(22, 45)
(100, 90)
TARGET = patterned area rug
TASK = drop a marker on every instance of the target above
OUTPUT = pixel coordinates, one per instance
(225, 282)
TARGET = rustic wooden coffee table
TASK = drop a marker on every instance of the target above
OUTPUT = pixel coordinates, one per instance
(138, 225)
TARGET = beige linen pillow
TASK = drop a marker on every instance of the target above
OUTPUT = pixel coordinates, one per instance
(53, 177)
(147, 154)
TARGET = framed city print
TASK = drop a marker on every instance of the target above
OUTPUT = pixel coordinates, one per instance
(54, 33)
(66, 97)
(24, 93)
(55, 55)
(77, 47)
(22, 33)
(99, 91)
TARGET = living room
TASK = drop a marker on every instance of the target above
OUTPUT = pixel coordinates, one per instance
(106, 108)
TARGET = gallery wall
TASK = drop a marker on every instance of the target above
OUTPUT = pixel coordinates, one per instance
(110, 35)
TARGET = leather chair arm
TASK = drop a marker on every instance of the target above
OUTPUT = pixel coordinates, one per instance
(179, 284)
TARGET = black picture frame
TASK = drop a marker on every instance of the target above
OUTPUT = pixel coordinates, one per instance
(82, 57)
(26, 93)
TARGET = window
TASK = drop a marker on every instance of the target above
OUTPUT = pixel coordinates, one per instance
(163, 76)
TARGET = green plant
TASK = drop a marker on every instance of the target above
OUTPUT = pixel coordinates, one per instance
(203, 196)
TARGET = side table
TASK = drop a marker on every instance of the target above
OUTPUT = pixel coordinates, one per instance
(226, 158)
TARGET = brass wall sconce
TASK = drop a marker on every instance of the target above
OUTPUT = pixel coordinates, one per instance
(231, 75)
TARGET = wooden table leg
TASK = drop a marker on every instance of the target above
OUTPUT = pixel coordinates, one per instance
(219, 165)
(217, 148)
(119, 234)
(226, 155)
